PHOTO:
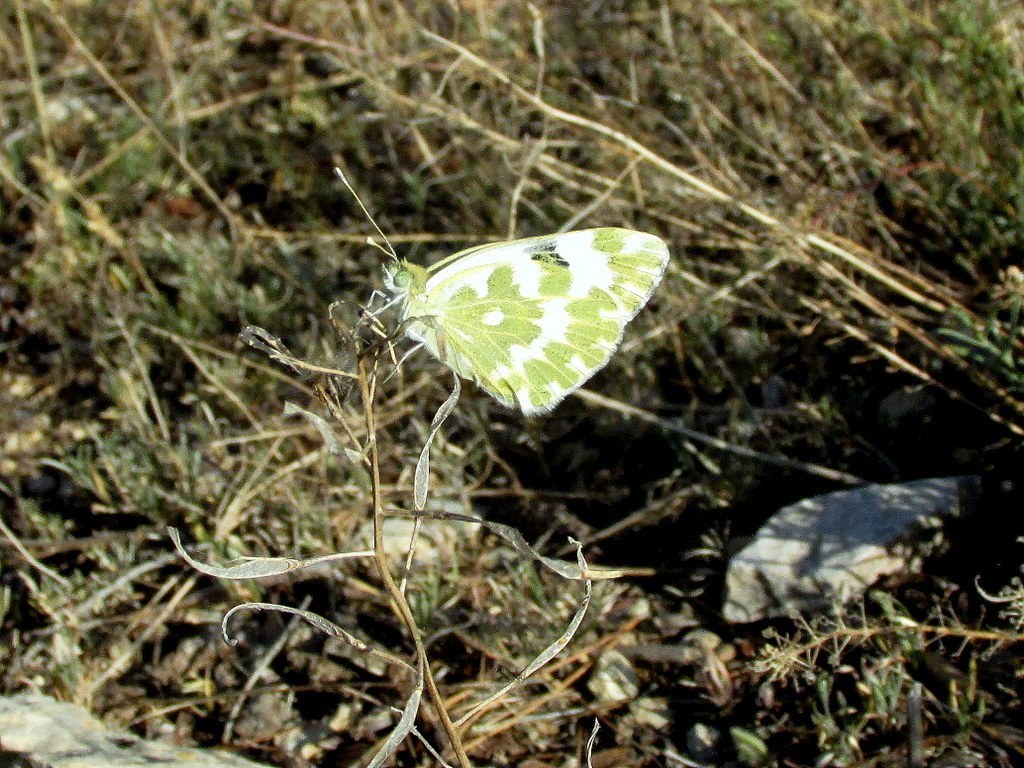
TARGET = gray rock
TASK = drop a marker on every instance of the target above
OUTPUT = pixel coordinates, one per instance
(437, 542)
(61, 735)
(614, 680)
(826, 550)
(651, 712)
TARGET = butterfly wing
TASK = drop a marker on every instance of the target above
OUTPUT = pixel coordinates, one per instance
(531, 320)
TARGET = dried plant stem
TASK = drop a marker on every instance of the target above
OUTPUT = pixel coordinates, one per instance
(401, 605)
(781, 660)
(32, 559)
(723, 445)
(261, 667)
(183, 162)
(639, 149)
(152, 623)
(42, 114)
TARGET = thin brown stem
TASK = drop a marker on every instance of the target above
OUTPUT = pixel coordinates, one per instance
(401, 605)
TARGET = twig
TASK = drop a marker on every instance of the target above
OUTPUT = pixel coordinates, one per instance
(915, 728)
(190, 170)
(16, 543)
(817, 241)
(151, 626)
(400, 603)
(671, 426)
(258, 670)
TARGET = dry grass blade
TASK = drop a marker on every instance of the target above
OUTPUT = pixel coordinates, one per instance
(715, 442)
(404, 725)
(591, 743)
(544, 656)
(577, 571)
(326, 626)
(260, 567)
(29, 48)
(430, 748)
(261, 666)
(30, 558)
(421, 477)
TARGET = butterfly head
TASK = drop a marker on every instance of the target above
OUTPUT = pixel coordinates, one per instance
(402, 278)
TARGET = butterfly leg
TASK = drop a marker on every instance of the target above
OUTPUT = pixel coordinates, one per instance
(388, 303)
(405, 357)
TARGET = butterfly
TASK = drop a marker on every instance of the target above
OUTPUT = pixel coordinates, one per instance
(530, 320)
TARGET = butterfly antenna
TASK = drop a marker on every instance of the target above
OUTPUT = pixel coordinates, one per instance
(390, 250)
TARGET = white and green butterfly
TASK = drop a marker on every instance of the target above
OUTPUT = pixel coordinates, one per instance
(530, 320)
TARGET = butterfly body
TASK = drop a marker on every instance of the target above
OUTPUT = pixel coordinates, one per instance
(530, 320)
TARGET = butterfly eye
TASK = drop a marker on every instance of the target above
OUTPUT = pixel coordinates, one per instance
(397, 278)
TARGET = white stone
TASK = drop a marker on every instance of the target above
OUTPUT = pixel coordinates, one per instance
(823, 551)
(613, 681)
(437, 543)
(61, 735)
